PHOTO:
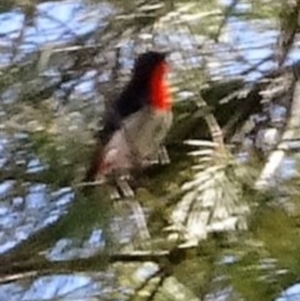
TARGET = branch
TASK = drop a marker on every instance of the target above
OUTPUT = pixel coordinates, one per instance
(12, 269)
(290, 134)
(289, 27)
(227, 14)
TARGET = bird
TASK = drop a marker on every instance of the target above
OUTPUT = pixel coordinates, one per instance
(136, 123)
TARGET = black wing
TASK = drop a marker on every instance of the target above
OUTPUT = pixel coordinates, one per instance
(132, 99)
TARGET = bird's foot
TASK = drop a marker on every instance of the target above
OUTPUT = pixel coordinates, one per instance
(163, 156)
(121, 187)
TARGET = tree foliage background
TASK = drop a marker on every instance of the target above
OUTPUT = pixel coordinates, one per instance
(220, 222)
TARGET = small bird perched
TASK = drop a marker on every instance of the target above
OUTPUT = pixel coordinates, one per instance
(136, 123)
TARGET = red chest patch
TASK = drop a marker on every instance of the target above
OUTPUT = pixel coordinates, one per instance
(160, 96)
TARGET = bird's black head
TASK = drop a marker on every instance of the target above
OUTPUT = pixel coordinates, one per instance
(137, 93)
(146, 63)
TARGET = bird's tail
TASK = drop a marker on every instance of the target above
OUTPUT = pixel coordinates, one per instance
(95, 165)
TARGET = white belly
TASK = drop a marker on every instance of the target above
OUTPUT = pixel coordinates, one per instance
(140, 137)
